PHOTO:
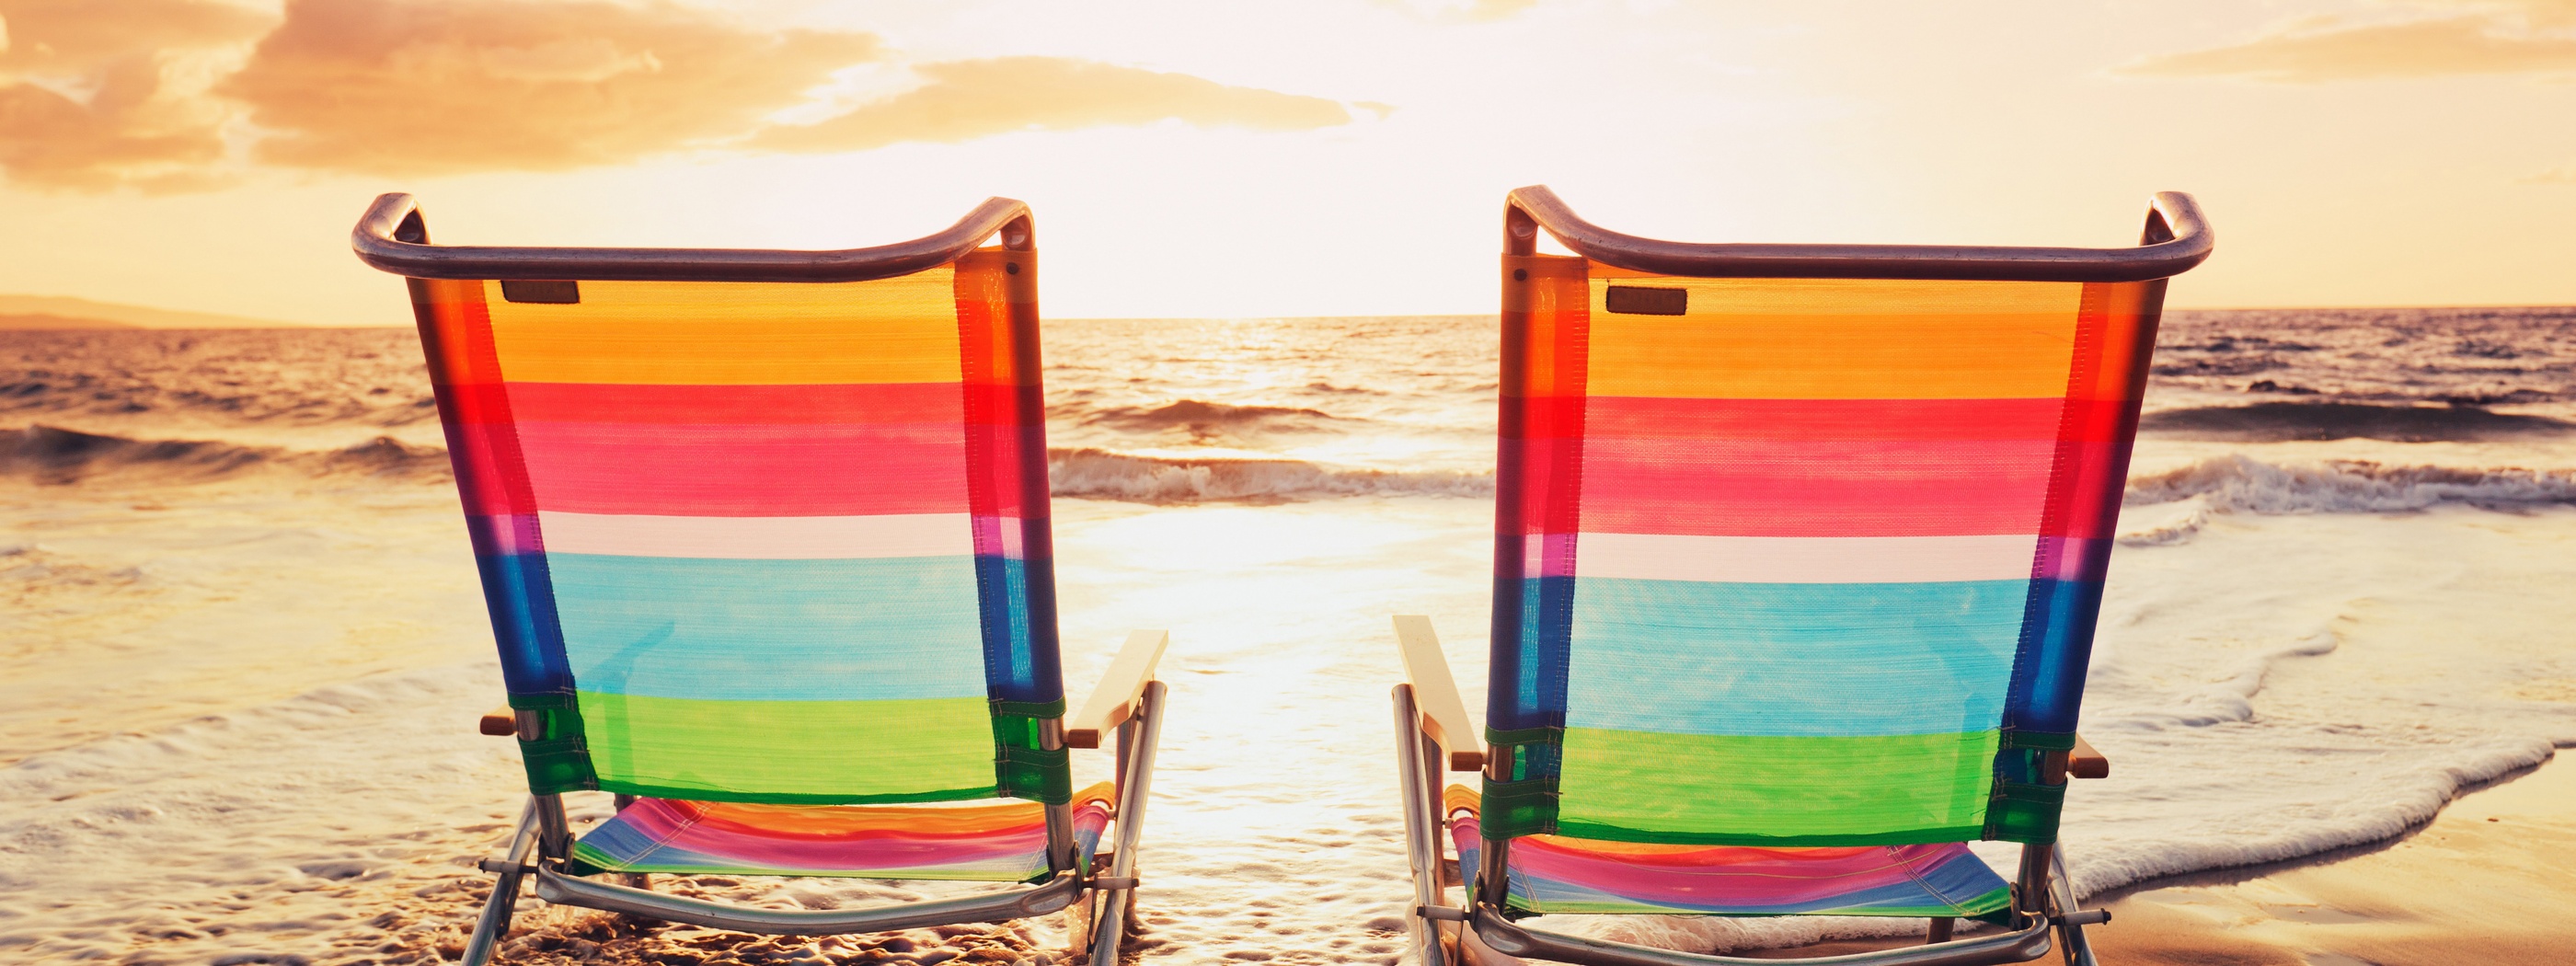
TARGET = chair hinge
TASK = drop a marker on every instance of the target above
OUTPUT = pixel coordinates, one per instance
(1441, 913)
(2083, 917)
(1113, 882)
(503, 867)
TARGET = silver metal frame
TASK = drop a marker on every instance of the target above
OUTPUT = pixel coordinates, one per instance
(1110, 893)
(2176, 238)
(393, 235)
(2042, 902)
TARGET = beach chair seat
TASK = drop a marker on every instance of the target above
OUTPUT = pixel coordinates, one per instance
(1798, 552)
(1000, 842)
(765, 540)
(1561, 874)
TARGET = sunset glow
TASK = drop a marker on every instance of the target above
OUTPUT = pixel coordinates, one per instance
(1341, 158)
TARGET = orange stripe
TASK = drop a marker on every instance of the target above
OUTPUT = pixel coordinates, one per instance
(995, 298)
(1543, 303)
(735, 333)
(1788, 338)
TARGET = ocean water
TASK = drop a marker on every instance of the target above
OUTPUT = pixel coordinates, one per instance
(244, 648)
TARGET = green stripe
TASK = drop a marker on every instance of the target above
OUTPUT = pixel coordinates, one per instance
(1643, 786)
(923, 749)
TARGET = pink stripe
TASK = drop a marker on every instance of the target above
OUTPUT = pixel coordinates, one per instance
(483, 452)
(1815, 489)
(706, 470)
(1720, 876)
(676, 829)
(884, 853)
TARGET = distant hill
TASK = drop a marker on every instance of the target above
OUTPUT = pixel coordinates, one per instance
(22, 312)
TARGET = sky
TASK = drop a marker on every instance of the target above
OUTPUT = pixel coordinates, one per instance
(1323, 157)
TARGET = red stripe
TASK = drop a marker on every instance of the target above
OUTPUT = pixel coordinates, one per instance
(699, 470)
(2113, 343)
(738, 405)
(456, 337)
(1815, 489)
(1822, 419)
(1546, 348)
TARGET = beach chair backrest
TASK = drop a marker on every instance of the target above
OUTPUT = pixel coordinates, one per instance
(1800, 560)
(769, 541)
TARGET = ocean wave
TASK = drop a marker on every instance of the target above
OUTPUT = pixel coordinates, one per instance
(1109, 475)
(50, 455)
(2268, 422)
(1199, 421)
(2239, 484)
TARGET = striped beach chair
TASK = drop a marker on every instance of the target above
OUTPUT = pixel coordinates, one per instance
(1797, 557)
(764, 537)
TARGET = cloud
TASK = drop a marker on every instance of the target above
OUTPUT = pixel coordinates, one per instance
(2498, 38)
(440, 86)
(171, 95)
(968, 99)
(100, 93)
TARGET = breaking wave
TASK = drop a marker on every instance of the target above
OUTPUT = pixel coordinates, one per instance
(1108, 475)
(2237, 484)
(2279, 421)
(48, 455)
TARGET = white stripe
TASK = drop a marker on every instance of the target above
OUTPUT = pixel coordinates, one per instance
(1804, 560)
(758, 538)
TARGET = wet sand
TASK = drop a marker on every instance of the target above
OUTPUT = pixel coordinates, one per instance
(2489, 881)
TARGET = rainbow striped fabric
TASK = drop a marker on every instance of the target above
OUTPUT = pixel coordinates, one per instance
(1800, 562)
(1554, 874)
(1003, 842)
(762, 542)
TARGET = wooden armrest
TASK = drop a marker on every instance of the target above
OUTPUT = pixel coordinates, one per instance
(1435, 693)
(500, 721)
(1121, 687)
(2084, 762)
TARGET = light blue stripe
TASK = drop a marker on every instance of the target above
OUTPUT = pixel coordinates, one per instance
(1820, 660)
(771, 630)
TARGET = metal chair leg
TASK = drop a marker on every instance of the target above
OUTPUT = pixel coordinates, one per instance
(2070, 934)
(1422, 829)
(495, 921)
(1118, 904)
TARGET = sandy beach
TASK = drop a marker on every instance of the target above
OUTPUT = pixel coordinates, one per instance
(2486, 882)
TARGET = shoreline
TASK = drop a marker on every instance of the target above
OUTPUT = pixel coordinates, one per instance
(2484, 881)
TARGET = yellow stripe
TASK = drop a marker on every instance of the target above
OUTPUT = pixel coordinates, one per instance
(734, 333)
(1789, 338)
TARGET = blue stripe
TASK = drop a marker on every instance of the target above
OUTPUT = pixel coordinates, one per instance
(1816, 660)
(775, 630)
(520, 596)
(1532, 675)
(1018, 609)
(2056, 646)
